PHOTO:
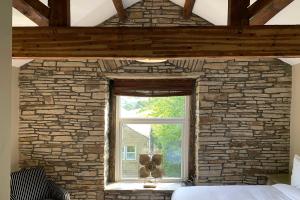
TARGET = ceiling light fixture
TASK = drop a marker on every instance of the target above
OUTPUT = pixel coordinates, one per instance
(149, 60)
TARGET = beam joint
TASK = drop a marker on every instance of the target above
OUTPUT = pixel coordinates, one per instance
(34, 10)
(238, 13)
(188, 8)
(60, 15)
(261, 11)
(122, 14)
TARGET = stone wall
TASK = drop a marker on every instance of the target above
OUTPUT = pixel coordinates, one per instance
(64, 118)
(62, 124)
(242, 118)
(134, 195)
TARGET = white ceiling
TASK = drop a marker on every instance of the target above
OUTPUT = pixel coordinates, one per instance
(216, 12)
(94, 12)
(83, 12)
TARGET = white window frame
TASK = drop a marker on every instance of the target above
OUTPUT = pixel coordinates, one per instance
(185, 121)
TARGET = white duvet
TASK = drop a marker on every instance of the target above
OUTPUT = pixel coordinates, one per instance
(237, 192)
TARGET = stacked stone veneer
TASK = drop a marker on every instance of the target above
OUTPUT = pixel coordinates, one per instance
(138, 194)
(242, 118)
(155, 13)
(62, 124)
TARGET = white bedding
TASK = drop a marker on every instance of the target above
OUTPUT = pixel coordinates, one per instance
(238, 192)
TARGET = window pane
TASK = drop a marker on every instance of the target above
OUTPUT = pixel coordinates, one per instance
(152, 138)
(130, 156)
(130, 149)
(152, 107)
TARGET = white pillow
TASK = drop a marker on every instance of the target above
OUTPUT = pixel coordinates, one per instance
(296, 172)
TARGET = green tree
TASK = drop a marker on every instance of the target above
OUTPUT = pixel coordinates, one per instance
(167, 138)
(164, 107)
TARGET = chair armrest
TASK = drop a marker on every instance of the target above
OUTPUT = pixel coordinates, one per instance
(57, 192)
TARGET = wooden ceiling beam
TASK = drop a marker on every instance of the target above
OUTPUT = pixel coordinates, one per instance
(188, 8)
(60, 14)
(34, 10)
(238, 13)
(261, 11)
(122, 14)
(156, 42)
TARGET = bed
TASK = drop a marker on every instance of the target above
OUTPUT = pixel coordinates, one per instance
(238, 192)
(245, 192)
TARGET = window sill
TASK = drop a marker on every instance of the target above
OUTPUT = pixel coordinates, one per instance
(122, 186)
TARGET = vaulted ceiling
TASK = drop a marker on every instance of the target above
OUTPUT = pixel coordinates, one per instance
(82, 13)
(95, 12)
(216, 12)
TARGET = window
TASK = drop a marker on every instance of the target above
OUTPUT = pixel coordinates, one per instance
(152, 125)
(129, 153)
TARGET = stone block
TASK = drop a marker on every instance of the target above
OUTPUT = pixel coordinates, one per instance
(71, 64)
(62, 138)
(60, 168)
(277, 90)
(49, 63)
(209, 120)
(214, 96)
(78, 89)
(51, 112)
(49, 99)
(87, 173)
(215, 66)
(206, 104)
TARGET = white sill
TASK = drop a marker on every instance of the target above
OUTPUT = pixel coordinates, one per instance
(140, 186)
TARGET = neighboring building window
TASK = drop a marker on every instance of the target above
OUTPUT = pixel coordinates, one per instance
(146, 125)
(129, 153)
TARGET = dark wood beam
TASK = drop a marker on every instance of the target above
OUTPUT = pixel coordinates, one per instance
(262, 11)
(34, 10)
(60, 14)
(156, 42)
(122, 14)
(188, 8)
(238, 12)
